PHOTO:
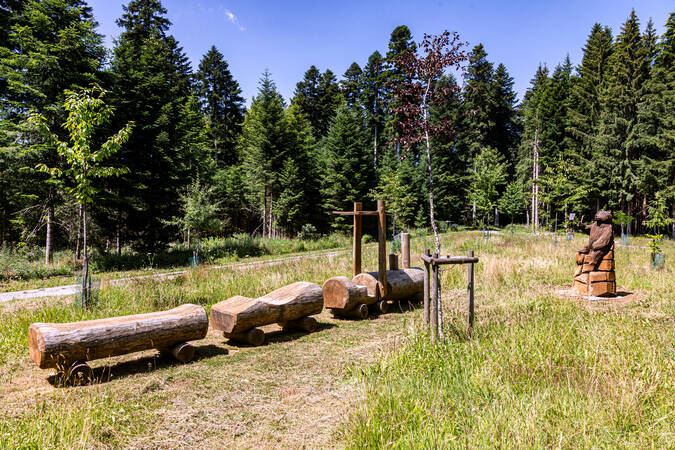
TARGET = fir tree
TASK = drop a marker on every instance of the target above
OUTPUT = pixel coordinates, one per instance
(348, 174)
(263, 147)
(317, 96)
(352, 84)
(222, 104)
(507, 127)
(372, 98)
(616, 143)
(152, 87)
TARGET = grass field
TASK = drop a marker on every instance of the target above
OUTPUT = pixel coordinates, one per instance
(541, 370)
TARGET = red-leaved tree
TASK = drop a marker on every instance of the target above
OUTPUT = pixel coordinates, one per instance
(420, 90)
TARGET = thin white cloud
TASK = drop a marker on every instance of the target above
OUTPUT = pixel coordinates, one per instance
(233, 20)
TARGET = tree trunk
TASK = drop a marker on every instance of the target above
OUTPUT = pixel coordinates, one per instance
(48, 237)
(50, 344)
(78, 249)
(402, 284)
(238, 314)
(85, 258)
(264, 225)
(118, 239)
(375, 146)
(628, 228)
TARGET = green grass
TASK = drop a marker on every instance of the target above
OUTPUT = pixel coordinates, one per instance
(25, 269)
(539, 371)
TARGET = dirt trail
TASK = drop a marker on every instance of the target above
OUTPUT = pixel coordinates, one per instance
(294, 392)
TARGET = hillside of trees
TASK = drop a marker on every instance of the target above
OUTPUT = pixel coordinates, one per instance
(596, 135)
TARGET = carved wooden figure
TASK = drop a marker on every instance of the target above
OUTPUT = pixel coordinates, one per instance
(594, 274)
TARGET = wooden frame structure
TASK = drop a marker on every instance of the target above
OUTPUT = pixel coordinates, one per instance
(431, 309)
(381, 214)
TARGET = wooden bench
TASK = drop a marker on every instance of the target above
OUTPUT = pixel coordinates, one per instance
(290, 306)
(67, 346)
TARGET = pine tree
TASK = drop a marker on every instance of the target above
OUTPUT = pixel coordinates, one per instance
(656, 120)
(152, 87)
(616, 143)
(50, 46)
(318, 95)
(372, 98)
(400, 43)
(507, 127)
(263, 147)
(352, 84)
(222, 104)
(529, 167)
(299, 178)
(348, 174)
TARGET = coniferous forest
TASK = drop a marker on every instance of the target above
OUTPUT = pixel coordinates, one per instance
(590, 135)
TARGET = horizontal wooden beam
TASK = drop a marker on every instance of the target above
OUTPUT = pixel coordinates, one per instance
(449, 259)
(356, 213)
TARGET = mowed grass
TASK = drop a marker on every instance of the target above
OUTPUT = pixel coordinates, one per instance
(539, 370)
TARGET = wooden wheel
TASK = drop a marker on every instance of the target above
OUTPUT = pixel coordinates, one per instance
(79, 374)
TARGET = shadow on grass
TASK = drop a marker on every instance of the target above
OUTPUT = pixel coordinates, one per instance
(146, 364)
(281, 335)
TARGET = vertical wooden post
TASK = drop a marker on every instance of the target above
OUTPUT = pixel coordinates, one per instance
(434, 299)
(393, 261)
(357, 238)
(405, 250)
(382, 248)
(427, 252)
(469, 276)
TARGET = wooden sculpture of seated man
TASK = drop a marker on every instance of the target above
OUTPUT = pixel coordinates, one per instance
(594, 274)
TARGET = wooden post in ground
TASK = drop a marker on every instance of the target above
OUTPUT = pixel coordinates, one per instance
(357, 238)
(469, 276)
(405, 250)
(382, 248)
(434, 300)
(427, 252)
(393, 261)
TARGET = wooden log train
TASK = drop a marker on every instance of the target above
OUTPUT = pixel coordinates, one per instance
(67, 347)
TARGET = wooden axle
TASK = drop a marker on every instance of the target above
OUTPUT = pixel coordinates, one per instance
(253, 336)
(307, 324)
(358, 312)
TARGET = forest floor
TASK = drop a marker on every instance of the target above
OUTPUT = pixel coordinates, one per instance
(542, 369)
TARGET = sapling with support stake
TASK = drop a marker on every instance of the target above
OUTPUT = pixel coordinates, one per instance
(86, 112)
(423, 87)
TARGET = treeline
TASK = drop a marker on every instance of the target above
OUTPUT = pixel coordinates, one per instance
(600, 136)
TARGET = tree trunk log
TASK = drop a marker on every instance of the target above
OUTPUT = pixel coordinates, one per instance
(54, 343)
(237, 314)
(402, 284)
(342, 293)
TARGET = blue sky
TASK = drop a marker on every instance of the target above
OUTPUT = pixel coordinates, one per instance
(287, 37)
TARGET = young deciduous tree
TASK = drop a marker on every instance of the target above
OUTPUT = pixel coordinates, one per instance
(488, 176)
(86, 112)
(424, 69)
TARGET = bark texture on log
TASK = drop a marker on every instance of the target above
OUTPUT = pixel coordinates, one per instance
(343, 293)
(402, 284)
(52, 343)
(237, 314)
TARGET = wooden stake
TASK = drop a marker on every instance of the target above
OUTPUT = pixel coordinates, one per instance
(434, 300)
(357, 238)
(469, 276)
(405, 250)
(382, 248)
(393, 261)
(427, 252)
